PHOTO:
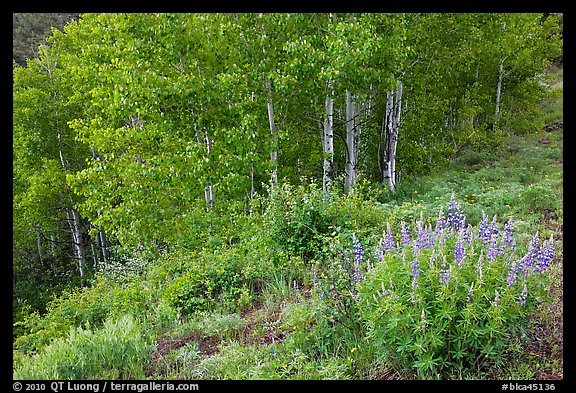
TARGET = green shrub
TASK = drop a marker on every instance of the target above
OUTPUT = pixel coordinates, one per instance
(538, 198)
(298, 216)
(85, 306)
(119, 350)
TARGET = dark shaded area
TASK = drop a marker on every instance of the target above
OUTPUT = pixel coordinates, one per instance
(29, 30)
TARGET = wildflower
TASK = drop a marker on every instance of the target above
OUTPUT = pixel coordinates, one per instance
(514, 269)
(444, 277)
(459, 251)
(523, 295)
(440, 222)
(479, 265)
(405, 233)
(421, 238)
(508, 237)
(423, 318)
(388, 238)
(358, 252)
(470, 293)
(493, 250)
(414, 270)
(544, 255)
(483, 230)
(440, 226)
(415, 266)
(455, 216)
(496, 299)
(357, 277)
(444, 273)
(353, 350)
(379, 253)
(530, 258)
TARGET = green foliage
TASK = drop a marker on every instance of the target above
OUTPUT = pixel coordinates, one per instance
(213, 277)
(119, 350)
(299, 217)
(89, 306)
(539, 198)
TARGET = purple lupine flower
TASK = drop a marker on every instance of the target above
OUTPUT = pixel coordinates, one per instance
(530, 257)
(459, 251)
(444, 273)
(496, 299)
(523, 295)
(479, 265)
(440, 222)
(421, 240)
(405, 233)
(379, 252)
(513, 274)
(544, 255)
(415, 269)
(431, 240)
(388, 238)
(483, 230)
(455, 215)
(358, 251)
(357, 277)
(470, 293)
(508, 242)
(492, 250)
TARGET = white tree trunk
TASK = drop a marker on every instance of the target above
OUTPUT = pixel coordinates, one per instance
(392, 126)
(394, 139)
(103, 242)
(350, 144)
(328, 140)
(76, 228)
(498, 94)
(39, 243)
(53, 254)
(208, 190)
(274, 147)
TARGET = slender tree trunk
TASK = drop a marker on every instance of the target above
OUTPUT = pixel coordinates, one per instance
(76, 228)
(274, 147)
(350, 144)
(392, 179)
(328, 140)
(94, 255)
(392, 122)
(208, 190)
(53, 254)
(39, 244)
(474, 117)
(498, 95)
(103, 241)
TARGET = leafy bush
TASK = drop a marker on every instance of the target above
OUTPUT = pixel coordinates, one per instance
(86, 306)
(538, 198)
(298, 216)
(117, 351)
(120, 268)
(207, 280)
